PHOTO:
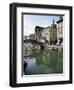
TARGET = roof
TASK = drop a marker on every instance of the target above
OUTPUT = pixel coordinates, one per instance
(59, 21)
(38, 28)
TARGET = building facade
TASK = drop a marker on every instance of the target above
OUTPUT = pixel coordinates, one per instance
(49, 34)
(25, 37)
(60, 31)
(32, 36)
(46, 34)
(38, 32)
(53, 34)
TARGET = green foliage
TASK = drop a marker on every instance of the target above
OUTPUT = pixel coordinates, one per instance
(53, 59)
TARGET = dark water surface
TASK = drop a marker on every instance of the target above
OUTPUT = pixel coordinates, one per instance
(43, 62)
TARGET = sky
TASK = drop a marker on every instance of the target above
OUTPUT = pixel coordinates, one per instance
(31, 21)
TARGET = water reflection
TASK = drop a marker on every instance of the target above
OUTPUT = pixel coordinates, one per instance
(43, 62)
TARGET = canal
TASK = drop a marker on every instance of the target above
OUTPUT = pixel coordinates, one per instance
(43, 62)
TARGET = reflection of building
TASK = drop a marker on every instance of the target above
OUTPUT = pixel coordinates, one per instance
(48, 33)
(60, 30)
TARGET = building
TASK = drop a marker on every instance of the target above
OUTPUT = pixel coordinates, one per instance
(49, 34)
(32, 36)
(53, 34)
(38, 32)
(25, 37)
(46, 34)
(60, 30)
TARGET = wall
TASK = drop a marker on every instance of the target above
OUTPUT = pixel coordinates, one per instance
(4, 43)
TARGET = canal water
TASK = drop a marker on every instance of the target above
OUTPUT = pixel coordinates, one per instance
(43, 62)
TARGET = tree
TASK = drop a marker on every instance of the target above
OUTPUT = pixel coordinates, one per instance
(25, 37)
